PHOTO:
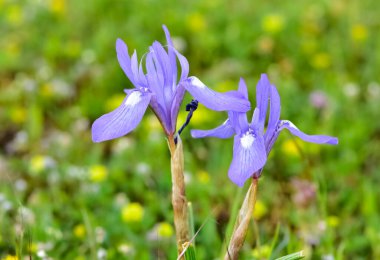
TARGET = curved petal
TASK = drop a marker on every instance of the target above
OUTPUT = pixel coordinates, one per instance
(214, 100)
(274, 114)
(249, 156)
(318, 139)
(123, 119)
(223, 131)
(184, 65)
(125, 60)
(262, 96)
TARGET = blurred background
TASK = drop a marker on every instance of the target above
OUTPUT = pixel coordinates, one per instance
(63, 197)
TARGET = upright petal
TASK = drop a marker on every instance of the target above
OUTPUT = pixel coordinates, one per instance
(171, 53)
(274, 114)
(262, 96)
(123, 119)
(318, 139)
(177, 101)
(249, 156)
(223, 131)
(163, 59)
(125, 60)
(214, 100)
(238, 121)
(243, 88)
(184, 65)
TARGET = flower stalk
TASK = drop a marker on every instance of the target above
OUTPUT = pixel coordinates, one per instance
(242, 222)
(179, 201)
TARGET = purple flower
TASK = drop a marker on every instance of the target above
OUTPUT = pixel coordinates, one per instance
(159, 87)
(251, 144)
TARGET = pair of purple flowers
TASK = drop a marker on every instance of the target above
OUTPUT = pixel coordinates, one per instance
(160, 87)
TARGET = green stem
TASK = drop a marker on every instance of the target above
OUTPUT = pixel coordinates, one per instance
(242, 223)
(179, 201)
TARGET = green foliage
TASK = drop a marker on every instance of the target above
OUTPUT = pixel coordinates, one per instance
(63, 196)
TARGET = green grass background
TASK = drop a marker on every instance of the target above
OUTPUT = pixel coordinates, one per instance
(65, 197)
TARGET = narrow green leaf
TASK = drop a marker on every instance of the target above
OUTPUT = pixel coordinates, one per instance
(294, 256)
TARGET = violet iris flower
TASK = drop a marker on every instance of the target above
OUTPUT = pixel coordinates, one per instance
(162, 87)
(251, 144)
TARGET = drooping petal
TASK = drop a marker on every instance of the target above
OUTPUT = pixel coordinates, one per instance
(243, 88)
(262, 96)
(214, 100)
(318, 139)
(274, 113)
(223, 131)
(238, 121)
(249, 156)
(125, 60)
(123, 119)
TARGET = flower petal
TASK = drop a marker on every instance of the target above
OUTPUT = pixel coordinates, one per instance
(318, 139)
(123, 119)
(214, 100)
(223, 131)
(243, 88)
(238, 121)
(184, 65)
(171, 53)
(262, 96)
(274, 114)
(177, 101)
(249, 156)
(125, 60)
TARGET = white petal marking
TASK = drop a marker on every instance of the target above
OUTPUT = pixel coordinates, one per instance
(247, 140)
(196, 82)
(133, 98)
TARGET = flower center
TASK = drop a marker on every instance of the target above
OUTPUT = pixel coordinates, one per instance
(247, 140)
(133, 98)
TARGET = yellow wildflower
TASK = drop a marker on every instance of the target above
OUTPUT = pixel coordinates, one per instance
(14, 15)
(98, 173)
(79, 231)
(47, 90)
(260, 210)
(321, 60)
(261, 252)
(10, 257)
(164, 229)
(200, 117)
(292, 147)
(38, 163)
(18, 115)
(133, 212)
(58, 6)
(196, 22)
(273, 23)
(114, 102)
(203, 177)
(359, 33)
(333, 221)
